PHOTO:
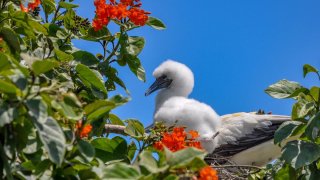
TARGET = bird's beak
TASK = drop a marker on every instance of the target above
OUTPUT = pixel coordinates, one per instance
(160, 83)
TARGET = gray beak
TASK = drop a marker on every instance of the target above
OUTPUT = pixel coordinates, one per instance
(160, 83)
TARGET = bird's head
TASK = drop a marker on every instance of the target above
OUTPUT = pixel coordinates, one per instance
(173, 76)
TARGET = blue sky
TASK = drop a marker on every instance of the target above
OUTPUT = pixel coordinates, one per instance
(235, 48)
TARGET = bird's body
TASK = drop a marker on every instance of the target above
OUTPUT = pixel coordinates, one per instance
(237, 135)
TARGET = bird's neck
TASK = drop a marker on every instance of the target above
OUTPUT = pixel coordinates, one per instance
(165, 95)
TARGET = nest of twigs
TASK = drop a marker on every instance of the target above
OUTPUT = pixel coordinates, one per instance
(228, 170)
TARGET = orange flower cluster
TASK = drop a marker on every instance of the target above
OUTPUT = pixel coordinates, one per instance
(31, 6)
(114, 10)
(207, 173)
(83, 131)
(178, 140)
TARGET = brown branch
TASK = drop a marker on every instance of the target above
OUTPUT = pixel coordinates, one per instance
(240, 166)
(111, 128)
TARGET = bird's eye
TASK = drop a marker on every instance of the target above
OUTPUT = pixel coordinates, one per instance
(164, 77)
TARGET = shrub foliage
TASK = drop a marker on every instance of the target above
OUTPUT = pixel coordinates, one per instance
(54, 102)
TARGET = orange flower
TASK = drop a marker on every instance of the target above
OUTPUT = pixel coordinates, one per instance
(207, 173)
(24, 9)
(127, 2)
(138, 16)
(33, 5)
(177, 140)
(114, 10)
(194, 134)
(83, 131)
(119, 11)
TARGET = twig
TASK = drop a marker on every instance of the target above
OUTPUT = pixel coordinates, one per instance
(111, 128)
(241, 166)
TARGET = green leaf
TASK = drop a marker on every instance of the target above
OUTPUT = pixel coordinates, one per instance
(301, 109)
(282, 89)
(132, 149)
(315, 93)
(68, 111)
(147, 161)
(53, 138)
(90, 78)
(62, 56)
(67, 5)
(8, 88)
(119, 100)
(37, 109)
(300, 153)
(285, 130)
(11, 38)
(98, 109)
(136, 67)
(85, 58)
(110, 149)
(119, 171)
(308, 69)
(134, 128)
(86, 149)
(156, 23)
(183, 157)
(135, 45)
(49, 6)
(37, 27)
(115, 120)
(103, 34)
(43, 66)
(7, 115)
(286, 172)
(72, 100)
(313, 127)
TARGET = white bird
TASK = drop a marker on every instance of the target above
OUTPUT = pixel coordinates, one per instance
(245, 137)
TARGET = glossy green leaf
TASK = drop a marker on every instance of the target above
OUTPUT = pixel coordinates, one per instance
(37, 109)
(121, 171)
(136, 67)
(286, 172)
(11, 38)
(7, 115)
(53, 139)
(309, 69)
(110, 149)
(132, 149)
(86, 149)
(43, 66)
(8, 87)
(103, 34)
(300, 153)
(183, 157)
(85, 58)
(90, 78)
(302, 107)
(148, 162)
(135, 45)
(285, 130)
(282, 89)
(313, 126)
(98, 109)
(134, 128)
(67, 5)
(62, 56)
(156, 23)
(115, 120)
(315, 93)
(49, 6)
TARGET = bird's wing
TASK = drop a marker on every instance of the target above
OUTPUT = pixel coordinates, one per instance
(242, 131)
